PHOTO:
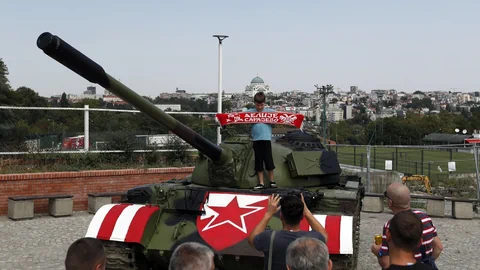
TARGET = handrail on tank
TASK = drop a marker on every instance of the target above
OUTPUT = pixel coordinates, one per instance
(71, 58)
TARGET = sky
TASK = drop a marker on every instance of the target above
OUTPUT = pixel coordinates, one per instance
(156, 46)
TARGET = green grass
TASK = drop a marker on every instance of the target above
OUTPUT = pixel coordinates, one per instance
(408, 160)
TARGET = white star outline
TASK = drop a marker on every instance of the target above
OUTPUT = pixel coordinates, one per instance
(222, 200)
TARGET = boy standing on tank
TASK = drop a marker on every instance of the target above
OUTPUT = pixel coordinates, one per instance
(262, 143)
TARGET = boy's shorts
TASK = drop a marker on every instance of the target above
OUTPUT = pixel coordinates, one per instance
(263, 153)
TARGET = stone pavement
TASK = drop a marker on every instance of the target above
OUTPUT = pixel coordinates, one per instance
(42, 243)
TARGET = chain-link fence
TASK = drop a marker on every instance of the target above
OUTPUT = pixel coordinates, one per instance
(448, 169)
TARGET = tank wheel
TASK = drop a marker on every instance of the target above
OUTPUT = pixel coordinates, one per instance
(125, 256)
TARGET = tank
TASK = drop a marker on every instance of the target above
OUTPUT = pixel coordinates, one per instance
(216, 205)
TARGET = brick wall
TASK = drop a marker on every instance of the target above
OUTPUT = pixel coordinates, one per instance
(80, 184)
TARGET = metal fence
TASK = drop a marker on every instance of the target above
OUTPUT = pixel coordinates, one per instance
(77, 138)
(68, 140)
(449, 168)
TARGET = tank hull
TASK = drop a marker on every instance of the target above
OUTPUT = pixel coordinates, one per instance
(195, 213)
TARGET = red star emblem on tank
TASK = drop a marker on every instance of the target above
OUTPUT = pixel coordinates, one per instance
(230, 218)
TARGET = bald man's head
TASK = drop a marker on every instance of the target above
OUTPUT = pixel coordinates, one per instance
(399, 194)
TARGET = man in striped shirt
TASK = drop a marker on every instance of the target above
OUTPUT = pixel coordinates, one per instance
(398, 200)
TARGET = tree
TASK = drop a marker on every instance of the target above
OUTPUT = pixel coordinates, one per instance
(419, 92)
(27, 97)
(421, 103)
(227, 106)
(7, 96)
(4, 83)
(448, 108)
(7, 117)
(64, 100)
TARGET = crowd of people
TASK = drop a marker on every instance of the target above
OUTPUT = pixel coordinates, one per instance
(410, 241)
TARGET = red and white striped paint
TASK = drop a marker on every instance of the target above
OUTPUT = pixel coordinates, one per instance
(121, 222)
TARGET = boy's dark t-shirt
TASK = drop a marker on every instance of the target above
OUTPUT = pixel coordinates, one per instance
(417, 266)
(282, 239)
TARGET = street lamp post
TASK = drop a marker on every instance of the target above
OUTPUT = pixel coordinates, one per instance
(219, 102)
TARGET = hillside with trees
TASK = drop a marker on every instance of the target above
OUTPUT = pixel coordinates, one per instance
(120, 129)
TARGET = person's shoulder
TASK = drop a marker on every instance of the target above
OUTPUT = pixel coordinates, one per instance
(423, 216)
(261, 237)
(419, 213)
(387, 224)
(265, 233)
(315, 234)
(260, 241)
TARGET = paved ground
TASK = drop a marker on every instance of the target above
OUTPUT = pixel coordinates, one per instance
(41, 243)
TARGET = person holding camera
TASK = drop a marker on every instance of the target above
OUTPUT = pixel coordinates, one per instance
(292, 210)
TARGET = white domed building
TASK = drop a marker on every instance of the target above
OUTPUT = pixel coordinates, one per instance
(257, 85)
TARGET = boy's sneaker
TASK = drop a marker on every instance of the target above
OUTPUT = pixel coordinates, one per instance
(273, 184)
(258, 187)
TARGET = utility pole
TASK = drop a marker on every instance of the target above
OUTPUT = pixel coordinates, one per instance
(219, 102)
(324, 91)
(380, 113)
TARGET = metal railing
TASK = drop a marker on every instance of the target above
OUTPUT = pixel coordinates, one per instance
(445, 165)
(380, 164)
(86, 130)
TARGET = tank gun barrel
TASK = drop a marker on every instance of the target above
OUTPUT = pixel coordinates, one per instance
(71, 58)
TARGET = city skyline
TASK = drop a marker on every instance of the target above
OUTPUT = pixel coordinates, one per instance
(156, 47)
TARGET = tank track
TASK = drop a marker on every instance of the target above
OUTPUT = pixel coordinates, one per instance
(356, 222)
(124, 256)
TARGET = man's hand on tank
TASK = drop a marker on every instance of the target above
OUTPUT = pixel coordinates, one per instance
(273, 207)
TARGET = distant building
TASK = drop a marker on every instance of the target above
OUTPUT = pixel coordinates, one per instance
(91, 90)
(171, 107)
(353, 89)
(180, 91)
(334, 113)
(378, 94)
(77, 98)
(418, 96)
(347, 112)
(109, 97)
(257, 85)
